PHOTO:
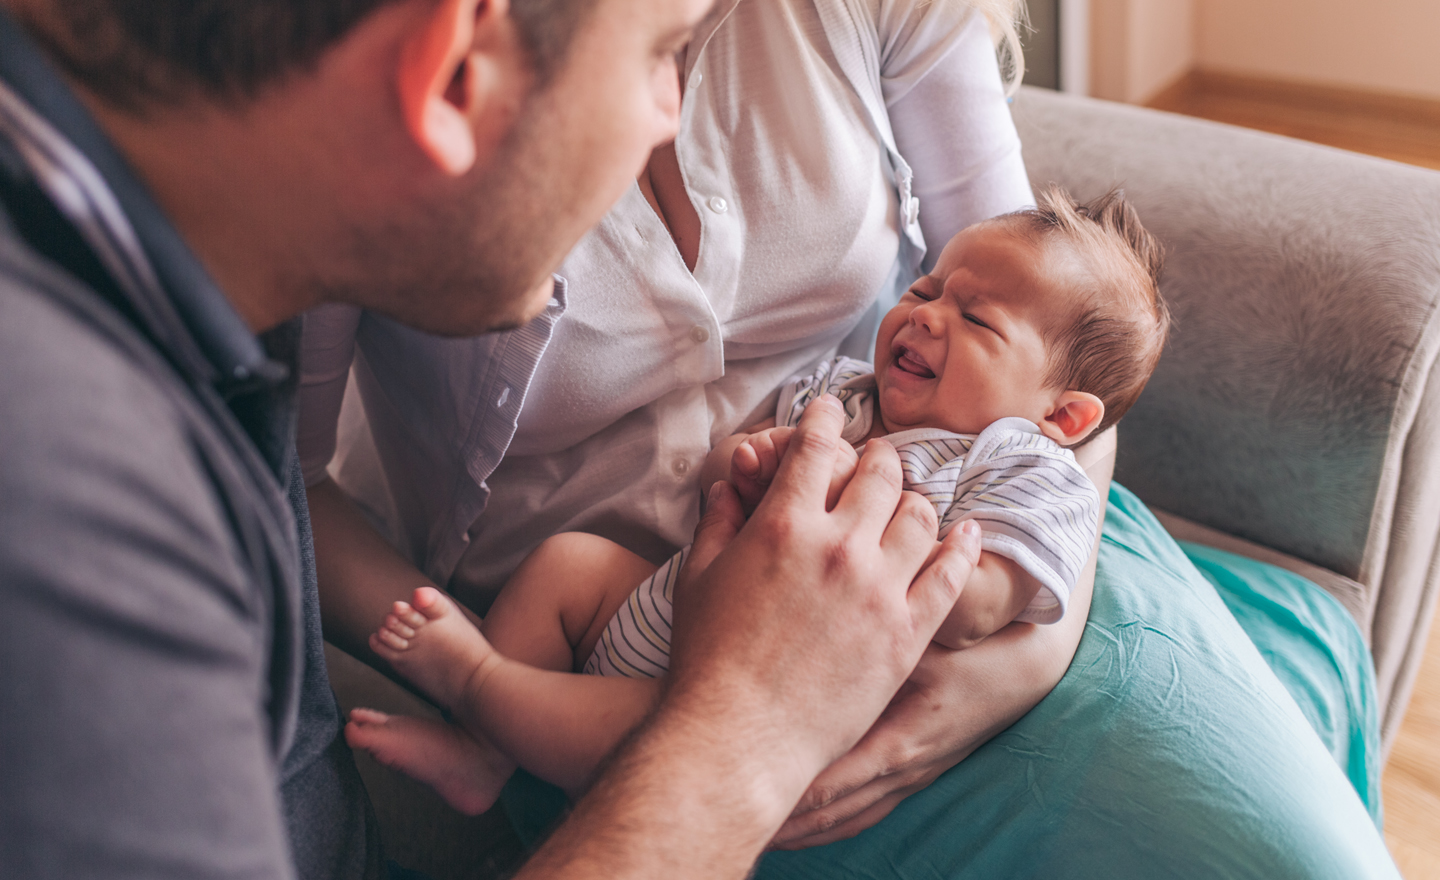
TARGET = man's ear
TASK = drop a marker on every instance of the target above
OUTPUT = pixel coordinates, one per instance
(450, 69)
(1072, 417)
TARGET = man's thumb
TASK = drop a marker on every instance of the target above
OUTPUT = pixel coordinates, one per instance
(717, 528)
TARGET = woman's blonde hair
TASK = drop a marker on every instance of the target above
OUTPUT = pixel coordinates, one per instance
(1006, 18)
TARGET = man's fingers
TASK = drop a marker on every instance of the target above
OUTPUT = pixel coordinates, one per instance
(830, 828)
(935, 590)
(909, 539)
(779, 441)
(723, 518)
(804, 472)
(875, 490)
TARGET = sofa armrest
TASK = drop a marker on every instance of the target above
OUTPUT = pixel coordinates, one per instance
(1297, 405)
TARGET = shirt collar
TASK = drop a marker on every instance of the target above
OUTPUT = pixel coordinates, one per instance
(94, 186)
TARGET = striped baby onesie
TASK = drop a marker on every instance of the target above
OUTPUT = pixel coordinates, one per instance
(1034, 503)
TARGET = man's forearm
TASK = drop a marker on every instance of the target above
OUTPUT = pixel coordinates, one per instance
(687, 796)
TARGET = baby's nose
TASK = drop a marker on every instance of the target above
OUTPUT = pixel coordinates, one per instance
(926, 317)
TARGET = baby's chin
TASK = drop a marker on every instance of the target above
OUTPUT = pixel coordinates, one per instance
(898, 411)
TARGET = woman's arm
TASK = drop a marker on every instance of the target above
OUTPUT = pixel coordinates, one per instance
(951, 121)
(979, 691)
(361, 575)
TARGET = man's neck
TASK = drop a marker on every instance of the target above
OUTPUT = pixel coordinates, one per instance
(221, 178)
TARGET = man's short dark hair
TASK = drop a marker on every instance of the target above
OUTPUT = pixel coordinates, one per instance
(138, 52)
(1109, 343)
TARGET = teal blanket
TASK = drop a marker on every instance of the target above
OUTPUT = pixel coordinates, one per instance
(1173, 747)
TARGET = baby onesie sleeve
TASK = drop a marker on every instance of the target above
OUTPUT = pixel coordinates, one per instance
(1035, 505)
(849, 380)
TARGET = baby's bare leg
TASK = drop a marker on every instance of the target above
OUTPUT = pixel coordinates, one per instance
(550, 615)
(557, 725)
(554, 608)
(464, 770)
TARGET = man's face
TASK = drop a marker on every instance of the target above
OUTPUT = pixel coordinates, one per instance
(475, 254)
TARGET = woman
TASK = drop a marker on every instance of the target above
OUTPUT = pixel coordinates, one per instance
(748, 250)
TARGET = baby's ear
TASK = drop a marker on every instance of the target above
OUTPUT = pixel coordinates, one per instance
(1072, 417)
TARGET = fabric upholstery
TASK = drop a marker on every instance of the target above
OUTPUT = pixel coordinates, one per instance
(1296, 405)
(1182, 742)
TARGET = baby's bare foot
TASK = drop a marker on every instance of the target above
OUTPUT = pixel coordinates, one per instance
(435, 647)
(466, 772)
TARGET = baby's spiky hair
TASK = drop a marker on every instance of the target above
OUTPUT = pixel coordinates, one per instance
(1109, 344)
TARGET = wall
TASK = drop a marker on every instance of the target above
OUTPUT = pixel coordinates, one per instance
(1377, 45)
(1138, 47)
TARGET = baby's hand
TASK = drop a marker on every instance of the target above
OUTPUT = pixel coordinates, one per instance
(755, 462)
(757, 459)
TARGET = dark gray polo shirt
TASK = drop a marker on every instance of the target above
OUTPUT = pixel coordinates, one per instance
(164, 707)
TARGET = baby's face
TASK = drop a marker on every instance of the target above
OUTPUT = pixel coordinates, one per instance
(964, 346)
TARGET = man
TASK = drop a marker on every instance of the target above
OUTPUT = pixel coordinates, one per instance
(178, 180)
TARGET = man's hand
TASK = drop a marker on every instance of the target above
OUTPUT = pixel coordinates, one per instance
(788, 645)
(757, 459)
(953, 703)
(811, 618)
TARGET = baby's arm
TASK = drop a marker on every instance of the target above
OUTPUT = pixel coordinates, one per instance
(997, 591)
(719, 464)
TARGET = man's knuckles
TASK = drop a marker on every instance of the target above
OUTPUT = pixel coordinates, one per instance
(919, 512)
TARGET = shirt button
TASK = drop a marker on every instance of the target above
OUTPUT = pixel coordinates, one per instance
(680, 466)
(504, 397)
(699, 334)
(718, 205)
(696, 79)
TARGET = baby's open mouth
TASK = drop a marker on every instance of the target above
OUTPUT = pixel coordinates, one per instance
(911, 363)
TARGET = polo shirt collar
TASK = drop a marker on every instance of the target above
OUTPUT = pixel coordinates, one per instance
(187, 314)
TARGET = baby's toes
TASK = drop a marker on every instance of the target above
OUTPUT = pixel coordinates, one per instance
(398, 627)
(431, 603)
(362, 716)
(406, 614)
(389, 639)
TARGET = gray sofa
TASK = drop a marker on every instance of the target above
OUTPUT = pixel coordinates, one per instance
(1294, 418)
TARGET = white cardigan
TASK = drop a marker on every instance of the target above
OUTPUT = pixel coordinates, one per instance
(802, 230)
